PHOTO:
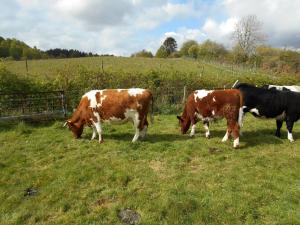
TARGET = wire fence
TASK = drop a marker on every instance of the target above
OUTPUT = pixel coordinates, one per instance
(55, 104)
(22, 105)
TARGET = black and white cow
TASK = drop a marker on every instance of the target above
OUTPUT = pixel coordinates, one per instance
(294, 88)
(271, 103)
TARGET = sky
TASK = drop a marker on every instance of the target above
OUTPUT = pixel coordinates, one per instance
(122, 27)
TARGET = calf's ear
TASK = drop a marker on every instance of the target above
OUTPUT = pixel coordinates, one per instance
(178, 117)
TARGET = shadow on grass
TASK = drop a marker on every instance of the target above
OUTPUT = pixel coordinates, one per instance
(250, 138)
(150, 138)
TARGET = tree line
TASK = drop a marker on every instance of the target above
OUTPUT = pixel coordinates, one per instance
(248, 49)
(17, 50)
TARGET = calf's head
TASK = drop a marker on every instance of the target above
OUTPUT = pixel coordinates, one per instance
(184, 123)
(76, 128)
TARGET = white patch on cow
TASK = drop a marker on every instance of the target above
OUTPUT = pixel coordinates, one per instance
(94, 132)
(213, 112)
(115, 120)
(225, 138)
(119, 90)
(98, 126)
(199, 116)
(290, 137)
(214, 100)
(294, 88)
(193, 130)
(236, 142)
(101, 100)
(91, 95)
(255, 111)
(135, 91)
(207, 133)
(201, 94)
(133, 115)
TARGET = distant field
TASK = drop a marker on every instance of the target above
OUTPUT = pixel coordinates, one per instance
(217, 74)
(167, 178)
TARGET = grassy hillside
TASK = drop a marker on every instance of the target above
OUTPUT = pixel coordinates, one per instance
(167, 178)
(216, 74)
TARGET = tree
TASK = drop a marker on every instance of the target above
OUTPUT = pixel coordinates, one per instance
(248, 34)
(193, 51)
(185, 47)
(211, 50)
(161, 52)
(170, 45)
(143, 53)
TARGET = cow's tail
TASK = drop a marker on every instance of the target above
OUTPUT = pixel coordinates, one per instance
(151, 110)
(241, 111)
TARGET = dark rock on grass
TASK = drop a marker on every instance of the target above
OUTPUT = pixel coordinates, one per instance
(129, 216)
(30, 192)
(213, 150)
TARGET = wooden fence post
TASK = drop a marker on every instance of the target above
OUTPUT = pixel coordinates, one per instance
(63, 103)
(26, 65)
(184, 94)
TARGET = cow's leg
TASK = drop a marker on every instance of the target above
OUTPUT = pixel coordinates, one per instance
(144, 128)
(279, 125)
(225, 138)
(206, 127)
(289, 126)
(99, 130)
(136, 124)
(193, 129)
(94, 132)
(235, 133)
(232, 129)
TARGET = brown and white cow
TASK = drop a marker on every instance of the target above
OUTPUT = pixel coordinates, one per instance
(115, 106)
(208, 105)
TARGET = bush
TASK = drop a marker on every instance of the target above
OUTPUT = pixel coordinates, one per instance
(143, 53)
(184, 50)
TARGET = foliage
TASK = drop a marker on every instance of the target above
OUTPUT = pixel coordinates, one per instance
(65, 53)
(248, 34)
(144, 53)
(16, 50)
(161, 52)
(193, 51)
(186, 46)
(211, 50)
(170, 45)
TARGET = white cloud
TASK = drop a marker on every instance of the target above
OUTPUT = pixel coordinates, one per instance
(280, 18)
(220, 32)
(126, 26)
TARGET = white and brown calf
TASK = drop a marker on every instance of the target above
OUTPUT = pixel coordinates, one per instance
(114, 106)
(208, 105)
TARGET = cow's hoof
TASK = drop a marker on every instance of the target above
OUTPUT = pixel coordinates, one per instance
(100, 142)
(207, 136)
(277, 135)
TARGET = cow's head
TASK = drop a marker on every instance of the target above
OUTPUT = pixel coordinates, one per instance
(76, 128)
(184, 123)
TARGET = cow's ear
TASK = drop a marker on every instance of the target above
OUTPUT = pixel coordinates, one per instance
(178, 117)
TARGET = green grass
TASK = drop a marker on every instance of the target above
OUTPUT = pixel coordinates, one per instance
(167, 178)
(212, 73)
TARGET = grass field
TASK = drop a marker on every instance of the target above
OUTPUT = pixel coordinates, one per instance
(167, 178)
(211, 73)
